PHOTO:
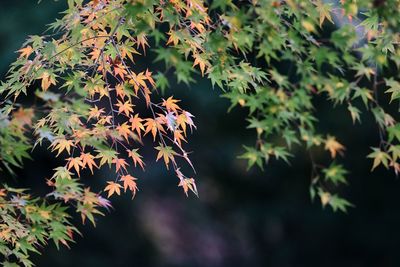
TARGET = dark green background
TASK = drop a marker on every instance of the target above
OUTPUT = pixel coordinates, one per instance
(242, 218)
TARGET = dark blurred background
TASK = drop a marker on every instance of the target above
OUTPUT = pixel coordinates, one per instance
(242, 218)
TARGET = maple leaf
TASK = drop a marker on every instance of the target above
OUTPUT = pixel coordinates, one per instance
(380, 157)
(62, 144)
(173, 38)
(148, 74)
(333, 146)
(188, 184)
(199, 60)
(178, 137)
(26, 51)
(137, 159)
(112, 188)
(129, 182)
(119, 163)
(167, 153)
(105, 120)
(151, 126)
(125, 107)
(95, 54)
(106, 156)
(95, 112)
(120, 91)
(136, 124)
(124, 130)
(138, 80)
(189, 120)
(324, 12)
(88, 159)
(76, 163)
(141, 40)
(120, 70)
(170, 104)
(47, 80)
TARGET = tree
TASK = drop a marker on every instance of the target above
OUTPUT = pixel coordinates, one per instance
(270, 57)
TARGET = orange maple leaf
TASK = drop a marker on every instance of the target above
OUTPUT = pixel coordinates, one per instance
(170, 104)
(125, 107)
(88, 159)
(137, 159)
(95, 54)
(178, 137)
(26, 51)
(199, 60)
(112, 188)
(124, 130)
(23, 116)
(120, 91)
(62, 144)
(76, 163)
(129, 182)
(95, 112)
(137, 124)
(120, 70)
(152, 126)
(119, 163)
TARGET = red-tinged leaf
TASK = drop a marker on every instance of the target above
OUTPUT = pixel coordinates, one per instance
(149, 77)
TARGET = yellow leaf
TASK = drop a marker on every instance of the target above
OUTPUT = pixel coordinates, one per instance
(308, 26)
(333, 146)
(47, 80)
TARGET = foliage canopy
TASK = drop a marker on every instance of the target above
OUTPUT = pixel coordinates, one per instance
(95, 105)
